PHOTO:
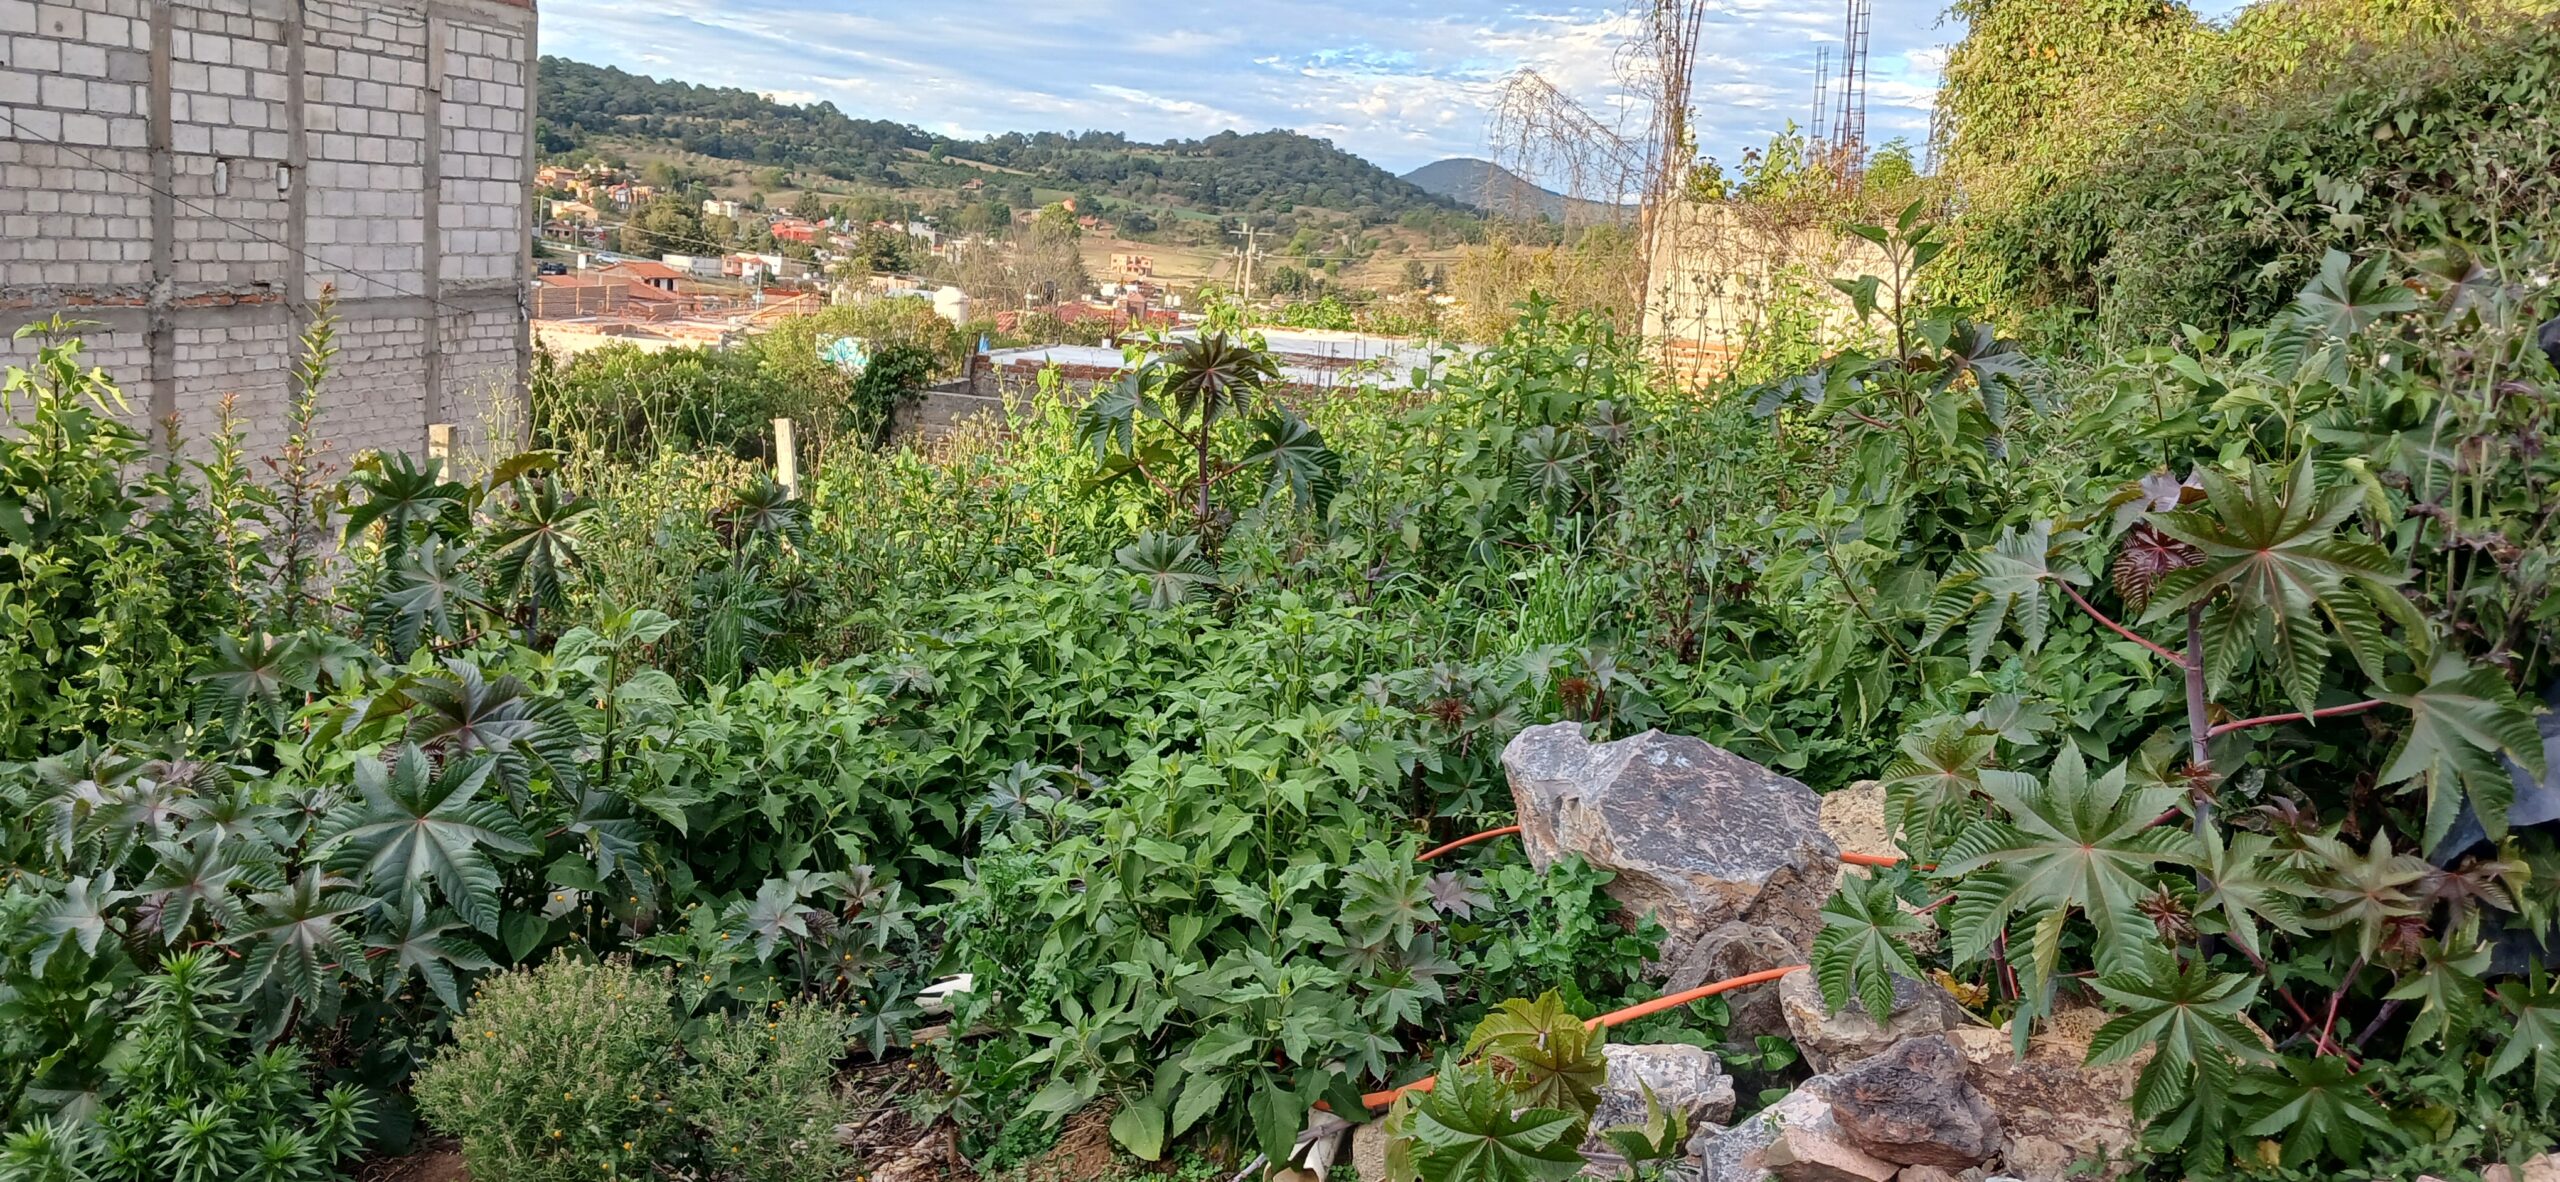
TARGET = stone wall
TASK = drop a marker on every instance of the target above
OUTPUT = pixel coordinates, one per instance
(192, 176)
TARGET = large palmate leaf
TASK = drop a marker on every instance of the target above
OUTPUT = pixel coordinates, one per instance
(1552, 1060)
(2247, 885)
(1550, 464)
(1930, 785)
(1108, 424)
(1471, 1128)
(1214, 375)
(2368, 892)
(2317, 1105)
(187, 879)
(401, 493)
(2532, 1012)
(1386, 896)
(2348, 297)
(302, 937)
(1990, 589)
(2272, 570)
(1171, 566)
(2186, 1014)
(410, 823)
(415, 944)
(257, 670)
(2460, 719)
(429, 593)
(1296, 461)
(463, 712)
(2070, 843)
(80, 918)
(2446, 985)
(1863, 945)
(536, 542)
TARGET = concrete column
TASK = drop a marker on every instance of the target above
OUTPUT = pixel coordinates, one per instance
(431, 275)
(159, 336)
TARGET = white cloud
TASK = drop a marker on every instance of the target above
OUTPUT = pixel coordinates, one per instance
(1400, 81)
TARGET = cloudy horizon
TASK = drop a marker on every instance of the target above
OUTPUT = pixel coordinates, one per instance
(1399, 82)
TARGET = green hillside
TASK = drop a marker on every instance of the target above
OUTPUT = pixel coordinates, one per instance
(1263, 173)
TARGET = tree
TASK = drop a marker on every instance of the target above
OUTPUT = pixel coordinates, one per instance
(664, 226)
(808, 206)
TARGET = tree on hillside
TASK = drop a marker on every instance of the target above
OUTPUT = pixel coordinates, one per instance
(665, 225)
(808, 206)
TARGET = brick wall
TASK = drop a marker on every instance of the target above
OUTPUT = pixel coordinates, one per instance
(192, 176)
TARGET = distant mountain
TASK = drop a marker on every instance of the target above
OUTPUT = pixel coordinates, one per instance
(1492, 188)
(1265, 172)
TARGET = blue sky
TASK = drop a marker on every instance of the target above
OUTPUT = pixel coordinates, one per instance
(1399, 82)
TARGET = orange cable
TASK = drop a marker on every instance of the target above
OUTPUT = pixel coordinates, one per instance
(1468, 840)
(1633, 1012)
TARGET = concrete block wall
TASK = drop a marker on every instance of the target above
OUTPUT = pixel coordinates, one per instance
(194, 176)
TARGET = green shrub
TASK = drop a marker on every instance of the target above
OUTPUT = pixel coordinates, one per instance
(564, 1071)
(762, 1094)
(189, 1101)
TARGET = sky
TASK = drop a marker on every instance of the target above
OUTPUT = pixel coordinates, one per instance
(1399, 82)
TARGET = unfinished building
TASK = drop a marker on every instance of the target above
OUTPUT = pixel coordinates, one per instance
(191, 176)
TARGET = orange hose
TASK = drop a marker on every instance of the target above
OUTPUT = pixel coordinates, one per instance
(1633, 1012)
(1468, 840)
(1613, 1018)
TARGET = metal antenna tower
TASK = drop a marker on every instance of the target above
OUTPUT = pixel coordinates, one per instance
(1850, 127)
(1821, 87)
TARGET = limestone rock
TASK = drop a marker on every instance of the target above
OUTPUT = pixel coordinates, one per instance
(1684, 1078)
(1812, 1147)
(2054, 1111)
(1793, 1140)
(1853, 817)
(1697, 836)
(1369, 1151)
(1928, 1174)
(1912, 1106)
(2545, 1168)
(1831, 1041)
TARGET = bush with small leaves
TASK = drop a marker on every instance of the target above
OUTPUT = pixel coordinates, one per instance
(762, 1094)
(564, 1071)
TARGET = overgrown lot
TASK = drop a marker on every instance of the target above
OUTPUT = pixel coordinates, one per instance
(354, 801)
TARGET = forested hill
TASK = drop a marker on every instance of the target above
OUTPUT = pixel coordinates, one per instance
(1227, 172)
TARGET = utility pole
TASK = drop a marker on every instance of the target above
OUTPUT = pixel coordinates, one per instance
(1249, 251)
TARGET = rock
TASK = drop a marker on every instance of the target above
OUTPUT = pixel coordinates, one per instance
(1685, 1079)
(1730, 951)
(1793, 1140)
(2541, 1169)
(1814, 1148)
(1928, 1174)
(1369, 1151)
(2054, 1112)
(1853, 817)
(1740, 1154)
(1697, 836)
(1912, 1106)
(1831, 1041)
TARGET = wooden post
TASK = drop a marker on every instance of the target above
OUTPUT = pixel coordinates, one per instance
(786, 457)
(439, 447)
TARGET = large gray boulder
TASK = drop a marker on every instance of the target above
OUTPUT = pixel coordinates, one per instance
(1833, 1039)
(1697, 836)
(1912, 1106)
